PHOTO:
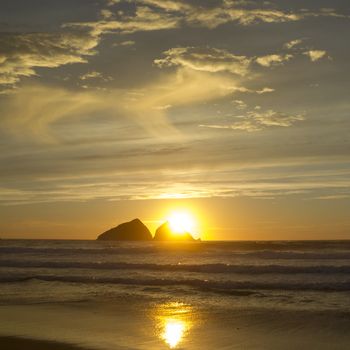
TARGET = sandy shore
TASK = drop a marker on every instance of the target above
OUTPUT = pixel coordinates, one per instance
(132, 323)
(13, 343)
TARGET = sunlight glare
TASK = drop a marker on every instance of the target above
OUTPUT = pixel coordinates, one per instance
(173, 332)
(181, 222)
(173, 322)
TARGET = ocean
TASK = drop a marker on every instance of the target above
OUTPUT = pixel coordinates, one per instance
(281, 287)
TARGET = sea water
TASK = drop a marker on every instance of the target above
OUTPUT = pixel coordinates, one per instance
(294, 293)
(312, 274)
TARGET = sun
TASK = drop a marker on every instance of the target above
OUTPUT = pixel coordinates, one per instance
(181, 222)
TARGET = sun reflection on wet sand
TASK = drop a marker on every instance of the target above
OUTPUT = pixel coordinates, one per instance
(174, 321)
(173, 332)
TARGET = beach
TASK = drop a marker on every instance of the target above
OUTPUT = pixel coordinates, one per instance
(31, 344)
(135, 324)
(88, 295)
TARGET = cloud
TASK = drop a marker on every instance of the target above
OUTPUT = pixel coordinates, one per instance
(227, 11)
(127, 43)
(279, 58)
(66, 177)
(334, 197)
(112, 2)
(204, 59)
(315, 55)
(31, 110)
(249, 17)
(242, 89)
(144, 19)
(273, 118)
(214, 60)
(91, 75)
(291, 44)
(21, 54)
(265, 90)
(146, 107)
(245, 125)
(106, 14)
(239, 104)
(151, 15)
(257, 120)
(163, 108)
(274, 59)
(168, 5)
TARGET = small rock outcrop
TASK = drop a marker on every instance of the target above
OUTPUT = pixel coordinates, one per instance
(133, 230)
(164, 233)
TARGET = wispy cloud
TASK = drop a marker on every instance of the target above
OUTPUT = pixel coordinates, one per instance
(257, 120)
(293, 43)
(265, 90)
(273, 59)
(94, 75)
(239, 104)
(334, 197)
(205, 59)
(46, 105)
(315, 55)
(255, 180)
(21, 54)
(106, 13)
(127, 43)
(91, 75)
(226, 11)
(144, 19)
(140, 138)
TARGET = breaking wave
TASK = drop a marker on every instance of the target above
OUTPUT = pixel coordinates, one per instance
(194, 249)
(204, 285)
(204, 268)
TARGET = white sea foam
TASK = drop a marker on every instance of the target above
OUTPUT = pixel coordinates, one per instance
(245, 269)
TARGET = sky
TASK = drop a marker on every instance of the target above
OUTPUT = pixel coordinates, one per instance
(234, 110)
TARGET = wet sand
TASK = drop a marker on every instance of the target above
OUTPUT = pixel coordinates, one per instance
(129, 323)
(13, 343)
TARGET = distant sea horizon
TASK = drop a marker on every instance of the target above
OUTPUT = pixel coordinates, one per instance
(201, 240)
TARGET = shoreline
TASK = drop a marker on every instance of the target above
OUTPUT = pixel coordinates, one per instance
(18, 343)
(138, 323)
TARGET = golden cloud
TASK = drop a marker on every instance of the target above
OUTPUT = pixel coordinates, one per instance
(205, 59)
(270, 60)
(257, 120)
(315, 55)
(21, 54)
(147, 107)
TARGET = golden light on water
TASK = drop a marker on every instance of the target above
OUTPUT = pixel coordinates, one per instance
(173, 332)
(174, 320)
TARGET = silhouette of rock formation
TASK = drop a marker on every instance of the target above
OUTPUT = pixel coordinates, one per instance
(164, 233)
(133, 230)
